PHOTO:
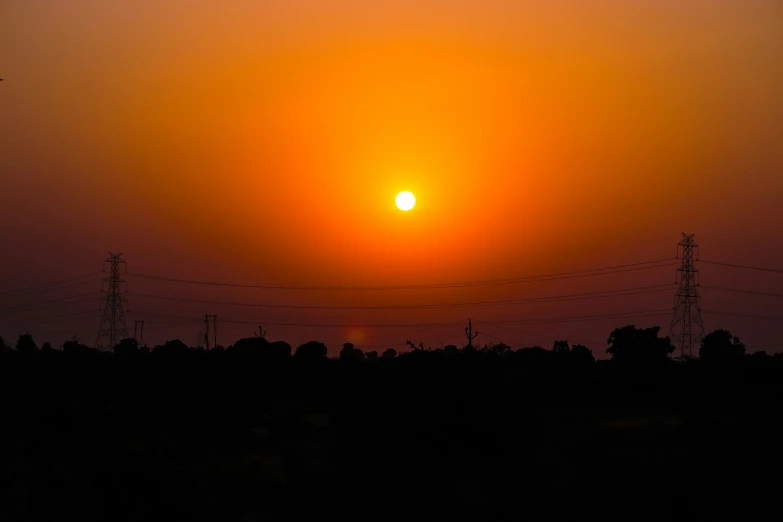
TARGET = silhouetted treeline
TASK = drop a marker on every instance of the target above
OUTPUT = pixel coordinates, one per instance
(264, 431)
(641, 356)
(627, 345)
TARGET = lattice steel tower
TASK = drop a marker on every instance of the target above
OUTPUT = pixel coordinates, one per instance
(687, 328)
(112, 329)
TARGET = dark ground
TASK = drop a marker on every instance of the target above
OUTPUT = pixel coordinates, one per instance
(106, 438)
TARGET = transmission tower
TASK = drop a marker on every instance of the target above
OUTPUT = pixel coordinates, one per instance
(112, 329)
(687, 328)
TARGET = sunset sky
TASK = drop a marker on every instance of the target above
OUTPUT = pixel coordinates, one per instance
(263, 143)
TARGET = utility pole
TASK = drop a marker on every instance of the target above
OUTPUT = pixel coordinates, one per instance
(112, 328)
(207, 317)
(206, 332)
(469, 333)
(687, 328)
(138, 331)
(214, 330)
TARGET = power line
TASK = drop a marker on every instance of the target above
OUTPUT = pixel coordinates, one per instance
(368, 346)
(43, 290)
(418, 331)
(172, 325)
(565, 297)
(747, 316)
(771, 345)
(20, 291)
(580, 318)
(50, 319)
(343, 325)
(541, 277)
(549, 320)
(442, 336)
(50, 303)
(544, 336)
(496, 338)
(53, 332)
(739, 291)
(166, 316)
(746, 267)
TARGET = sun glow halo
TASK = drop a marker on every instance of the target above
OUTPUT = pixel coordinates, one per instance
(405, 200)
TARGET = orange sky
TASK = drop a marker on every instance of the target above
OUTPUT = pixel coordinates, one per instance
(264, 142)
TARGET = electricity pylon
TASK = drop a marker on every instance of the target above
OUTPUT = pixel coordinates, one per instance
(113, 329)
(687, 328)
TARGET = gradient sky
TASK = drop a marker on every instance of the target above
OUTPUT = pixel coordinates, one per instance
(264, 142)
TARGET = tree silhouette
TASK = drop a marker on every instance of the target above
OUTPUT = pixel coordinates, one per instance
(127, 346)
(721, 346)
(212, 435)
(174, 348)
(3, 346)
(351, 353)
(638, 345)
(761, 357)
(346, 352)
(561, 347)
(419, 348)
(74, 347)
(46, 347)
(581, 355)
(26, 344)
(499, 349)
(534, 355)
(312, 351)
(259, 347)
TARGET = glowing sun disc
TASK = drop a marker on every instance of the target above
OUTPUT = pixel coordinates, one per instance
(405, 200)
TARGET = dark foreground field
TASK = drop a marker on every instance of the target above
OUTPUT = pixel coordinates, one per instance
(103, 438)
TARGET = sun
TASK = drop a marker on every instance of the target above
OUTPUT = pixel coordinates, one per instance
(405, 200)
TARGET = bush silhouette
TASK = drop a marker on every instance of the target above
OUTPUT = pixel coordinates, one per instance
(720, 346)
(26, 344)
(127, 346)
(389, 353)
(639, 345)
(312, 351)
(260, 348)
